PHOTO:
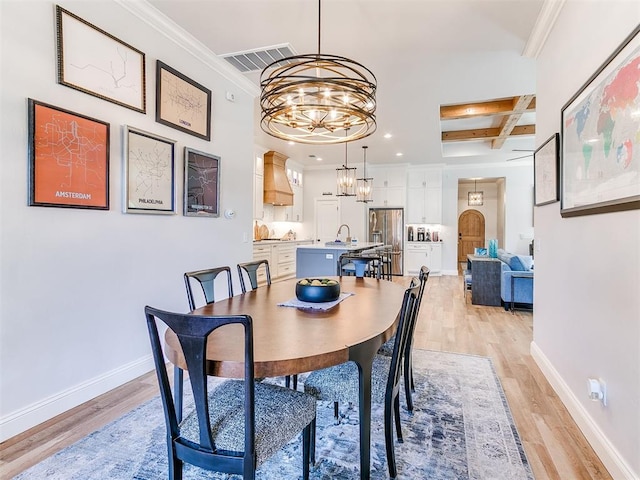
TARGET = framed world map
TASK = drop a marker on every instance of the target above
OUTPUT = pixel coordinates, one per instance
(600, 162)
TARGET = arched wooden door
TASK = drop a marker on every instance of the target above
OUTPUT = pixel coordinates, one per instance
(470, 233)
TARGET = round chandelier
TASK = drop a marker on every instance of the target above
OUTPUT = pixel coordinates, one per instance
(315, 98)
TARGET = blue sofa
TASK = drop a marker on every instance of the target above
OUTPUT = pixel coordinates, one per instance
(516, 279)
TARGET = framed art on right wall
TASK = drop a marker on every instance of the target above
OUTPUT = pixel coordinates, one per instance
(600, 161)
(546, 161)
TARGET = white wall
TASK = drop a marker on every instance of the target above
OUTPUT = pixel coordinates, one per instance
(73, 283)
(587, 306)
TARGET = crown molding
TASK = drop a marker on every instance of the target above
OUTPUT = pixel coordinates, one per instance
(544, 24)
(167, 27)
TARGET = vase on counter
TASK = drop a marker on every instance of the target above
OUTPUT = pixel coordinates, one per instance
(493, 248)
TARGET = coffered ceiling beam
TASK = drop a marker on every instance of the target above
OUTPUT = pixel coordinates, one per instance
(485, 133)
(510, 121)
(505, 106)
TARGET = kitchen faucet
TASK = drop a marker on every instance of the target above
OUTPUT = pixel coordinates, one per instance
(348, 232)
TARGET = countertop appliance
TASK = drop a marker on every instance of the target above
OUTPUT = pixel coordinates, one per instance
(386, 225)
(410, 234)
(421, 236)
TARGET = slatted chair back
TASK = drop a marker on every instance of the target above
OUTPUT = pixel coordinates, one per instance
(192, 336)
(207, 279)
(406, 323)
(251, 270)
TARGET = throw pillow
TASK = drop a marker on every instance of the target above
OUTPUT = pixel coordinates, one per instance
(527, 261)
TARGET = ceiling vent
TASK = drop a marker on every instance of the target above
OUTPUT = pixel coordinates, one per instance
(256, 60)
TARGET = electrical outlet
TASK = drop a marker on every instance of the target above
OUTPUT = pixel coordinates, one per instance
(597, 390)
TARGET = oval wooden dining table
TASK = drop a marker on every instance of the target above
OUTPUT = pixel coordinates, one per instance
(290, 340)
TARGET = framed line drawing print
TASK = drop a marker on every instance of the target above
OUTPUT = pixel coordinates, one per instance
(600, 158)
(68, 158)
(182, 103)
(546, 163)
(201, 184)
(149, 171)
(95, 62)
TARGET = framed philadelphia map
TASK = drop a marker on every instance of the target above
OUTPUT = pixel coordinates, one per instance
(149, 167)
(182, 103)
(600, 159)
(201, 184)
(95, 62)
(546, 161)
(68, 158)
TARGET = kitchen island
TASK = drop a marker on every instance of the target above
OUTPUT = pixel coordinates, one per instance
(322, 259)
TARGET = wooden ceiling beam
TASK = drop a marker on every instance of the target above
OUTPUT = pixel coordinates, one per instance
(509, 122)
(485, 133)
(505, 106)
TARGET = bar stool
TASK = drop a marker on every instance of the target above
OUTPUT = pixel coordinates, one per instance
(362, 264)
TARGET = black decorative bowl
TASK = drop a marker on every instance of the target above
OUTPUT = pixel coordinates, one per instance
(317, 290)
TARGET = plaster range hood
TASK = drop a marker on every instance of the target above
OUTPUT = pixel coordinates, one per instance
(277, 190)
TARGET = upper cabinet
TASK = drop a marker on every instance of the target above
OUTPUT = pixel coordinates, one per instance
(389, 186)
(424, 195)
(292, 213)
(258, 187)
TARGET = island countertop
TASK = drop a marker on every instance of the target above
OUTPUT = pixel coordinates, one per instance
(348, 247)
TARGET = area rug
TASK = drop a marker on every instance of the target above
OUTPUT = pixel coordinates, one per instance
(461, 428)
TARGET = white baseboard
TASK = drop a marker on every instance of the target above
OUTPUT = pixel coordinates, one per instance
(34, 414)
(606, 451)
(450, 272)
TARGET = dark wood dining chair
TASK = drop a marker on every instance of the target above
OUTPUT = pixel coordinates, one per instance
(340, 383)
(387, 348)
(251, 271)
(207, 279)
(236, 426)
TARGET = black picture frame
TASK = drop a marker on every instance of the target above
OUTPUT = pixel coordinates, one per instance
(201, 184)
(546, 166)
(182, 103)
(600, 155)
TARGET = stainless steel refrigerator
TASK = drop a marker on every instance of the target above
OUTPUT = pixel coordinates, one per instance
(386, 225)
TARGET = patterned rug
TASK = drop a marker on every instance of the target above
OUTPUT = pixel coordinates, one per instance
(461, 428)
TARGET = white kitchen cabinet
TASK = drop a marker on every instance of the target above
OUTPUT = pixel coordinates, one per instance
(258, 188)
(389, 186)
(292, 213)
(281, 256)
(417, 254)
(424, 196)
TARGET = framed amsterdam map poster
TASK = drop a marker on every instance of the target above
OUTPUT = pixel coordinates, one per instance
(201, 184)
(182, 103)
(95, 62)
(149, 166)
(600, 140)
(68, 158)
(546, 161)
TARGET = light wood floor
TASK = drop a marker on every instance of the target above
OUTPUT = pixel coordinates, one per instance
(553, 443)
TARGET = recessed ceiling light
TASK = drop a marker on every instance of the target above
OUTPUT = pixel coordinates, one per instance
(319, 159)
(292, 143)
(399, 154)
(387, 135)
